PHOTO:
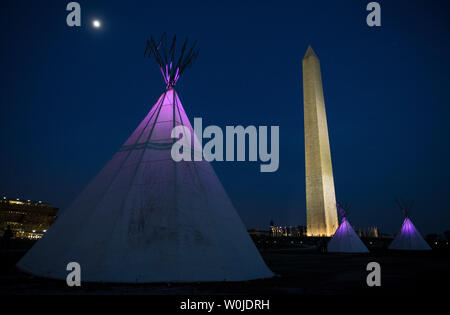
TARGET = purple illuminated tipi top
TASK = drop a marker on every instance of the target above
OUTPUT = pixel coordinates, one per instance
(145, 217)
(171, 66)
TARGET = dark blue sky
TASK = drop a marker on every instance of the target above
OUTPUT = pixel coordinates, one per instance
(69, 98)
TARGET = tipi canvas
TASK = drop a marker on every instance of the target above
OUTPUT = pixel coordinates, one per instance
(345, 240)
(147, 218)
(409, 238)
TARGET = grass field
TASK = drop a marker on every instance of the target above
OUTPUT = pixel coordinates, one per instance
(304, 272)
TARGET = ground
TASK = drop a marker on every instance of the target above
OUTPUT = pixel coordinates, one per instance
(298, 271)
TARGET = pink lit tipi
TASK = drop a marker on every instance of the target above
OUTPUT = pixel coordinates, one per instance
(145, 217)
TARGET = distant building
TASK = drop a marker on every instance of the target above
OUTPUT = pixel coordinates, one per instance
(291, 231)
(369, 232)
(297, 231)
(26, 218)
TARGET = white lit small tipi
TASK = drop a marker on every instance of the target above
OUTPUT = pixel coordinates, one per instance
(147, 218)
(345, 239)
(408, 238)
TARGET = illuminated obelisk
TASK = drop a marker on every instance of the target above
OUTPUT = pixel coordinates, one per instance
(321, 212)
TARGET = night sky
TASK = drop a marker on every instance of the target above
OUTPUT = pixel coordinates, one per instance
(70, 97)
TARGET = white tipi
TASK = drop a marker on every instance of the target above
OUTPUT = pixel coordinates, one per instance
(146, 218)
(408, 238)
(345, 239)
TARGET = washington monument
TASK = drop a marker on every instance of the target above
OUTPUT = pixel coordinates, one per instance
(321, 213)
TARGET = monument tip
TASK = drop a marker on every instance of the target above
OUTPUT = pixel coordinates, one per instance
(309, 52)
